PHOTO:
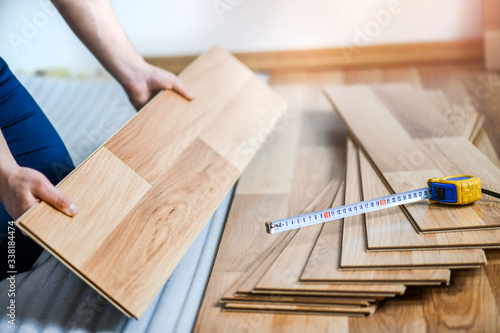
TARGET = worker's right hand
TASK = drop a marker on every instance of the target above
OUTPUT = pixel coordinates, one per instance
(21, 188)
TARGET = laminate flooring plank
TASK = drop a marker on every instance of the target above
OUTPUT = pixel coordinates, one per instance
(298, 299)
(164, 174)
(484, 144)
(454, 116)
(399, 158)
(285, 140)
(245, 285)
(233, 134)
(345, 310)
(414, 110)
(372, 126)
(177, 122)
(468, 305)
(324, 264)
(105, 176)
(179, 195)
(390, 229)
(402, 314)
(354, 255)
(284, 274)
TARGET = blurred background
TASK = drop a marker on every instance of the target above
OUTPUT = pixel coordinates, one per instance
(34, 36)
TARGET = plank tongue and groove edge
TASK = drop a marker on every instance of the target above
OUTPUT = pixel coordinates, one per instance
(399, 159)
(145, 195)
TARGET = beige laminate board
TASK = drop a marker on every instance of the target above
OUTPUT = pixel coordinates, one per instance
(414, 110)
(354, 255)
(463, 119)
(323, 264)
(390, 230)
(283, 276)
(147, 193)
(344, 310)
(287, 299)
(395, 153)
(483, 143)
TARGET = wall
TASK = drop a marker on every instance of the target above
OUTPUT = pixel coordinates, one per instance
(33, 36)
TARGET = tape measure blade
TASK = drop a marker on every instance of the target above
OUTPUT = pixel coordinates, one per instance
(349, 210)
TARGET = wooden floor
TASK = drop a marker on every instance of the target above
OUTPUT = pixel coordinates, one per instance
(472, 301)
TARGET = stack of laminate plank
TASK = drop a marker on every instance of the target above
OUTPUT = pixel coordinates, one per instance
(399, 136)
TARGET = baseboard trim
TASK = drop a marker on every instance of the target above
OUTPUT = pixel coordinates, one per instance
(348, 57)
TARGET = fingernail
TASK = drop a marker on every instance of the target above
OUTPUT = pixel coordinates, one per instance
(72, 210)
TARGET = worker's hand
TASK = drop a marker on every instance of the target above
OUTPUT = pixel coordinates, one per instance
(149, 81)
(21, 188)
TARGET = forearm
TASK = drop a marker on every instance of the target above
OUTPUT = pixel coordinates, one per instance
(7, 161)
(96, 25)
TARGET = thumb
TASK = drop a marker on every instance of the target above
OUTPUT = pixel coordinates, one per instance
(48, 193)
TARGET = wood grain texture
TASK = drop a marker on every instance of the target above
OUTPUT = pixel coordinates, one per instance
(354, 255)
(139, 237)
(484, 144)
(324, 262)
(372, 126)
(344, 310)
(245, 231)
(177, 122)
(283, 276)
(390, 229)
(465, 304)
(297, 299)
(400, 159)
(104, 176)
(414, 110)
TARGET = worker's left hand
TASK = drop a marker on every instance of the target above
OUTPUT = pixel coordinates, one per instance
(149, 81)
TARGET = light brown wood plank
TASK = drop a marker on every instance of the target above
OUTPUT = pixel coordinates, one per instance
(390, 229)
(104, 176)
(324, 263)
(233, 134)
(159, 212)
(345, 310)
(468, 305)
(171, 147)
(178, 122)
(484, 144)
(296, 299)
(373, 127)
(414, 110)
(354, 255)
(454, 116)
(285, 140)
(402, 162)
(284, 274)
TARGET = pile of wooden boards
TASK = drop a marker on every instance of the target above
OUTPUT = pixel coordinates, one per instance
(401, 136)
(146, 194)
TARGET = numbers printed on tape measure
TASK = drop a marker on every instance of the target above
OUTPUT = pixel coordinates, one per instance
(348, 210)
